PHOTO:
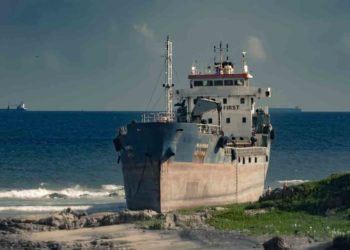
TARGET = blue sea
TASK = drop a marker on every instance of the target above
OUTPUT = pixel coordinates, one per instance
(51, 160)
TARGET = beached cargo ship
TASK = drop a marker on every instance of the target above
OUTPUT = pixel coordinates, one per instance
(213, 149)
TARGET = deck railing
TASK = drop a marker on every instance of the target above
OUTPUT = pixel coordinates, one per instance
(209, 128)
(157, 117)
(246, 151)
(164, 117)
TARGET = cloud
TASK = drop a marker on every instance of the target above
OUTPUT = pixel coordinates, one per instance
(256, 49)
(144, 30)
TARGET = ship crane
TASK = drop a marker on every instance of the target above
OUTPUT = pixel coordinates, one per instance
(169, 80)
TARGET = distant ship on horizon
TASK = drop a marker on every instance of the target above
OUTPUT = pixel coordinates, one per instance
(19, 107)
(296, 109)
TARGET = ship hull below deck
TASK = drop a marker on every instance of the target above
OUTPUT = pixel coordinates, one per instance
(170, 166)
(176, 185)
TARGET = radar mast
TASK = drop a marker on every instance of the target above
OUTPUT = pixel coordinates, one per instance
(169, 79)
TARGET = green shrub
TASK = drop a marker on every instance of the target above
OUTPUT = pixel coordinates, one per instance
(319, 209)
(313, 197)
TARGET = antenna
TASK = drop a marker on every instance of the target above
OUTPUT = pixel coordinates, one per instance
(169, 79)
(220, 50)
(245, 66)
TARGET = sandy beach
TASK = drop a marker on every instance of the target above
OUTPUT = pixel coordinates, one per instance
(117, 236)
(128, 236)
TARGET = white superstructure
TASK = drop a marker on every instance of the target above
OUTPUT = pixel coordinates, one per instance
(234, 94)
(21, 106)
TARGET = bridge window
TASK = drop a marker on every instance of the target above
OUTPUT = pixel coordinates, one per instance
(228, 120)
(218, 83)
(209, 83)
(198, 83)
(242, 100)
(256, 159)
(228, 82)
(244, 120)
(243, 160)
(224, 101)
(267, 158)
(250, 160)
(210, 120)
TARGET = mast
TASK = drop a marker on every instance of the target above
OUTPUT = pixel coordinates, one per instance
(220, 50)
(245, 66)
(169, 79)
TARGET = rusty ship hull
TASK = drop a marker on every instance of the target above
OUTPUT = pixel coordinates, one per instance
(170, 166)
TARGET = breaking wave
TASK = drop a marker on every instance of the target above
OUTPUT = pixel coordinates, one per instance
(111, 187)
(292, 182)
(41, 208)
(75, 192)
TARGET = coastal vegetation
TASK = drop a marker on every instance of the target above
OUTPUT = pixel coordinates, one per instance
(318, 209)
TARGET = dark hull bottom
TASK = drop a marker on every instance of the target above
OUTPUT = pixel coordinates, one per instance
(176, 185)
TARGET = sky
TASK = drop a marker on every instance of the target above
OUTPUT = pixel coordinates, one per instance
(107, 55)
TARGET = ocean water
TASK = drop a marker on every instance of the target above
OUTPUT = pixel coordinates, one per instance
(51, 160)
(66, 154)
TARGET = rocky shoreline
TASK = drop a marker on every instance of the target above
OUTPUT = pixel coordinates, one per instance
(69, 229)
(325, 204)
(69, 219)
(106, 230)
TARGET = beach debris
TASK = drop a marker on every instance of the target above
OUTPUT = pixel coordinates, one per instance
(169, 221)
(253, 212)
(276, 243)
(219, 209)
(66, 219)
(196, 220)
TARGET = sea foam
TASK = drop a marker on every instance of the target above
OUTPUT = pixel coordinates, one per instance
(74, 192)
(112, 187)
(292, 182)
